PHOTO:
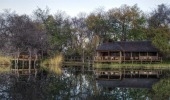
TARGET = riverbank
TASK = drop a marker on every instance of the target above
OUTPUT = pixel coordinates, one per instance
(145, 66)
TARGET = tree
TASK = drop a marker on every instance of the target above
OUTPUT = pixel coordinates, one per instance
(79, 36)
(97, 23)
(161, 90)
(130, 22)
(158, 28)
(57, 28)
(160, 17)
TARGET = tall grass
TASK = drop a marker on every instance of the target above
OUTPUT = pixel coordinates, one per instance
(5, 60)
(4, 69)
(53, 64)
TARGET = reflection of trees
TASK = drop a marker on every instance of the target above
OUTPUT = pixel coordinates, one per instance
(83, 84)
(71, 85)
(4, 78)
(123, 94)
(161, 90)
(51, 88)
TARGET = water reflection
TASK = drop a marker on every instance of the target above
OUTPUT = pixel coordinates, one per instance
(85, 83)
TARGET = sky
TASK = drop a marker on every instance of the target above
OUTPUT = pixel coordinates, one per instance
(74, 7)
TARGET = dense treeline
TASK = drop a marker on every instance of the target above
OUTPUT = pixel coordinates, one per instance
(80, 35)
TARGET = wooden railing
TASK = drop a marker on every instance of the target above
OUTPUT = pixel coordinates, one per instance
(106, 58)
(126, 58)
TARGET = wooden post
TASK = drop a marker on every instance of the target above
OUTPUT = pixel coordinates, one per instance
(124, 73)
(108, 75)
(120, 75)
(15, 60)
(109, 55)
(147, 55)
(29, 60)
(120, 60)
(140, 58)
(36, 57)
(158, 56)
(139, 73)
(131, 57)
(157, 74)
(124, 56)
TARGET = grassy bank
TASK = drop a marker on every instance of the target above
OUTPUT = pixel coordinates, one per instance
(53, 64)
(5, 60)
(150, 66)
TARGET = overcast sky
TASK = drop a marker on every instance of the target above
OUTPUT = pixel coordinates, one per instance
(74, 7)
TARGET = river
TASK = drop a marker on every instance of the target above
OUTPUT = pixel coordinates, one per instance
(87, 83)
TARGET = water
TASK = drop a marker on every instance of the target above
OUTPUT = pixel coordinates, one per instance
(87, 83)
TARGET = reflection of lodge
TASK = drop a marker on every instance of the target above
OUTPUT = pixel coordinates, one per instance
(128, 83)
(131, 51)
(24, 71)
(25, 58)
(24, 64)
(120, 74)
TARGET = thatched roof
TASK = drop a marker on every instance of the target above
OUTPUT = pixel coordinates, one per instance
(128, 46)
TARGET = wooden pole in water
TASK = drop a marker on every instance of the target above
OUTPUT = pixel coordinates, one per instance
(120, 75)
(22, 64)
(36, 57)
(15, 60)
(157, 74)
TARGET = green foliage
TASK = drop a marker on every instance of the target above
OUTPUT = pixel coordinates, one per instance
(158, 28)
(162, 89)
(81, 35)
(58, 30)
(161, 39)
(131, 22)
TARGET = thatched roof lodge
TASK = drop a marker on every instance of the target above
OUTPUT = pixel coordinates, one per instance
(123, 51)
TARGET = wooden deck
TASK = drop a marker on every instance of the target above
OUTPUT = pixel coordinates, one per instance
(139, 59)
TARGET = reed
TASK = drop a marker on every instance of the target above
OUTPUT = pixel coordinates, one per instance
(4, 69)
(53, 64)
(5, 60)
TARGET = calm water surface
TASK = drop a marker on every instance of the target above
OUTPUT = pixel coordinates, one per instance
(86, 83)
